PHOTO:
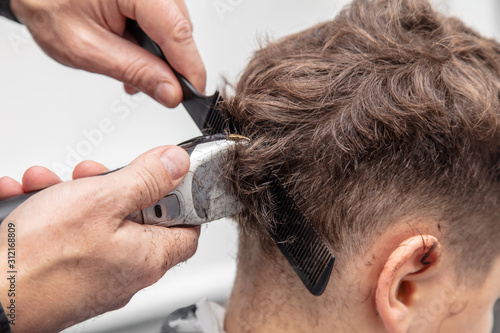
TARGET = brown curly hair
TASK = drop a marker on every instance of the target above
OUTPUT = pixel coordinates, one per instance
(389, 111)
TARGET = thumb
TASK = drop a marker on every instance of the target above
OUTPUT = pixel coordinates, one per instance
(148, 178)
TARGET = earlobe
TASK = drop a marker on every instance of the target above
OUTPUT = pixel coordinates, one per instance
(415, 260)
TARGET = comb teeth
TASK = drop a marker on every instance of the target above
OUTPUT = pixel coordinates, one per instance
(218, 122)
(215, 122)
(299, 242)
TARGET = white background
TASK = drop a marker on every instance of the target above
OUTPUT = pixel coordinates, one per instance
(47, 112)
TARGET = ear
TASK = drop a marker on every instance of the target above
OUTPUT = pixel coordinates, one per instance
(405, 278)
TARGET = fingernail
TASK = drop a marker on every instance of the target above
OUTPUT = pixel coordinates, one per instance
(176, 161)
(164, 93)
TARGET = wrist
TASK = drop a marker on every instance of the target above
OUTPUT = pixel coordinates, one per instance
(6, 10)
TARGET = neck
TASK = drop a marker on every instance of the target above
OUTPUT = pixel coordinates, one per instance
(268, 296)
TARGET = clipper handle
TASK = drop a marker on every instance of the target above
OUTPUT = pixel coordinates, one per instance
(9, 204)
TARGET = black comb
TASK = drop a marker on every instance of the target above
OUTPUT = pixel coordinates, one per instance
(298, 241)
(202, 109)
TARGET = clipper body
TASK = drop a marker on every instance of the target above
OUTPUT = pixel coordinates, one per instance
(204, 194)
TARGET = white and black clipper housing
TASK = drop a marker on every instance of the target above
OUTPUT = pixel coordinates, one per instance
(204, 194)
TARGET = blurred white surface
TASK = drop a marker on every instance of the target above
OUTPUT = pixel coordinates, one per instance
(52, 116)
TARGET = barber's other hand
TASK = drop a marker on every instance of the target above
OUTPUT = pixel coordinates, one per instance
(89, 35)
(77, 257)
(38, 177)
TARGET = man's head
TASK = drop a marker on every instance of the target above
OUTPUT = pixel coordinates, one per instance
(384, 126)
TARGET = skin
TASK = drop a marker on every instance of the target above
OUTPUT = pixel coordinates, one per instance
(76, 254)
(404, 282)
(89, 35)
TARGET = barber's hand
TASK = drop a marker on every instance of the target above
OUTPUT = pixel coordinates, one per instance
(38, 177)
(76, 256)
(89, 35)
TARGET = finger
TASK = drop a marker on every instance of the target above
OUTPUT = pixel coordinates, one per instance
(88, 169)
(164, 247)
(9, 187)
(129, 89)
(146, 180)
(168, 24)
(182, 7)
(37, 178)
(123, 60)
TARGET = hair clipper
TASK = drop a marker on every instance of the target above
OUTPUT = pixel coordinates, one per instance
(204, 194)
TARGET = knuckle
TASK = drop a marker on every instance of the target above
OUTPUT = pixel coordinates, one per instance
(135, 74)
(147, 187)
(147, 261)
(79, 55)
(162, 256)
(159, 258)
(182, 31)
(183, 249)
